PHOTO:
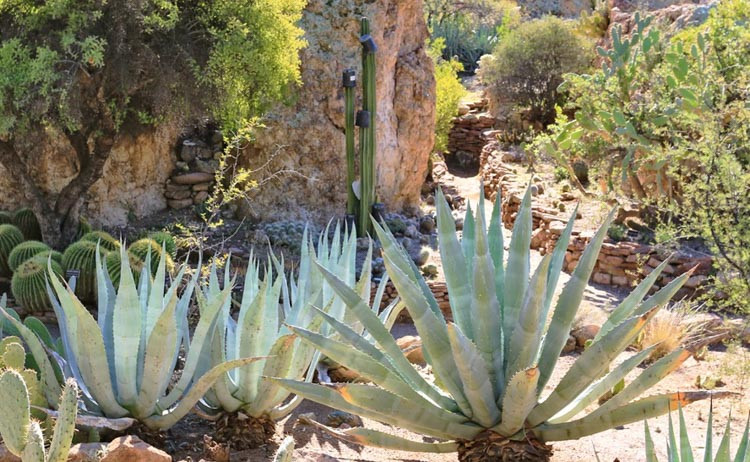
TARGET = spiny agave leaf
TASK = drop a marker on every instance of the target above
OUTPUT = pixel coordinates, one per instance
(686, 452)
(435, 342)
(601, 386)
(673, 455)
(495, 241)
(647, 379)
(663, 296)
(709, 433)
(527, 334)
(650, 450)
(127, 334)
(722, 454)
(468, 238)
(367, 437)
(281, 354)
(475, 378)
(225, 387)
(589, 366)
(568, 304)
(381, 405)
(626, 309)
(485, 309)
(520, 398)
(456, 279)
(555, 266)
(743, 450)
(645, 408)
(383, 337)
(517, 271)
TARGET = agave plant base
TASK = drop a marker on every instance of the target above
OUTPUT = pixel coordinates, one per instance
(490, 446)
(241, 431)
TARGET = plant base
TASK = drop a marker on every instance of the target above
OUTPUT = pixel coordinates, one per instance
(240, 431)
(490, 446)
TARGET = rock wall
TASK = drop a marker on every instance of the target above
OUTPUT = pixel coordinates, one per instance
(132, 184)
(299, 157)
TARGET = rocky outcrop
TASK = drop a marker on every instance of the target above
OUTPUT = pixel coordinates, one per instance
(299, 157)
(672, 16)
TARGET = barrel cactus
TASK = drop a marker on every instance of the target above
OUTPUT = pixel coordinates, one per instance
(29, 284)
(6, 218)
(106, 241)
(28, 224)
(10, 237)
(23, 435)
(166, 240)
(81, 256)
(142, 248)
(113, 264)
(24, 251)
(50, 253)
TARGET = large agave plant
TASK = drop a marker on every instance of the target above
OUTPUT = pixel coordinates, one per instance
(493, 361)
(124, 362)
(246, 402)
(683, 451)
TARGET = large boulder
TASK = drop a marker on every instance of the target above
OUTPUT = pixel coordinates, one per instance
(302, 146)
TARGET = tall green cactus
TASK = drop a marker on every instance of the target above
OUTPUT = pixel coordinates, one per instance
(367, 147)
(350, 82)
(23, 436)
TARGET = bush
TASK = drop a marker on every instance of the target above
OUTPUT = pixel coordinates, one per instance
(449, 92)
(561, 174)
(530, 62)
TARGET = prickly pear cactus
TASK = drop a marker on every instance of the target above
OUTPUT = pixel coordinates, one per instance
(29, 284)
(13, 357)
(106, 241)
(10, 237)
(26, 221)
(24, 251)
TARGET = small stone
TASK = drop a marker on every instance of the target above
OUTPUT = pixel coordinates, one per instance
(178, 195)
(412, 348)
(430, 200)
(179, 204)
(200, 197)
(422, 257)
(535, 190)
(193, 178)
(202, 187)
(426, 224)
(131, 448)
(585, 333)
(189, 150)
(603, 278)
(181, 166)
(338, 418)
(206, 166)
(363, 243)
(411, 232)
(694, 281)
(570, 345)
(565, 188)
(85, 452)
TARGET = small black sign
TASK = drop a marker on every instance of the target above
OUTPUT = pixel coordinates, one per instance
(72, 273)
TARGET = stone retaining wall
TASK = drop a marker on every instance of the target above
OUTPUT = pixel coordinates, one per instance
(470, 131)
(193, 179)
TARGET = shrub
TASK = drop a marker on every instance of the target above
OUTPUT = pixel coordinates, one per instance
(449, 92)
(561, 174)
(530, 62)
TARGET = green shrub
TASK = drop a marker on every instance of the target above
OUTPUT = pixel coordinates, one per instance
(617, 232)
(449, 91)
(24, 251)
(529, 63)
(561, 174)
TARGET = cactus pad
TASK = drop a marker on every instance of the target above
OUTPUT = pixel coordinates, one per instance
(16, 411)
(29, 284)
(24, 251)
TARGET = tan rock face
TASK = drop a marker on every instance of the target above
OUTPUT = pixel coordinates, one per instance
(132, 183)
(306, 140)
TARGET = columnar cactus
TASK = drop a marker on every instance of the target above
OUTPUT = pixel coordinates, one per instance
(367, 147)
(106, 241)
(29, 284)
(24, 251)
(10, 237)
(81, 257)
(21, 434)
(26, 221)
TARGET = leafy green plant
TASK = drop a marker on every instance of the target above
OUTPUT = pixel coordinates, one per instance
(10, 237)
(683, 450)
(21, 434)
(24, 251)
(29, 284)
(617, 232)
(126, 360)
(449, 92)
(493, 361)
(27, 222)
(561, 174)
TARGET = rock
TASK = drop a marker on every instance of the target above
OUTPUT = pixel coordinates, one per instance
(423, 256)
(180, 204)
(207, 166)
(411, 232)
(309, 131)
(190, 149)
(427, 224)
(695, 281)
(535, 190)
(602, 278)
(570, 345)
(459, 223)
(430, 200)
(412, 348)
(85, 452)
(200, 197)
(6, 456)
(565, 188)
(556, 227)
(585, 333)
(131, 448)
(338, 418)
(193, 178)
(178, 195)
(343, 374)
(202, 187)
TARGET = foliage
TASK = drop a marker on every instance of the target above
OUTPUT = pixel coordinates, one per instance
(561, 174)
(449, 92)
(665, 121)
(148, 250)
(529, 64)
(126, 360)
(470, 29)
(492, 363)
(683, 451)
(23, 435)
(617, 232)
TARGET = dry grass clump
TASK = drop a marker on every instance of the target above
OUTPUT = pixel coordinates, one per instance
(670, 329)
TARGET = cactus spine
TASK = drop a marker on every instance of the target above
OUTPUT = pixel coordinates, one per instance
(29, 284)
(26, 221)
(24, 251)
(10, 237)
(23, 436)
(367, 145)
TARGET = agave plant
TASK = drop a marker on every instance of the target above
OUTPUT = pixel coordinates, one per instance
(493, 361)
(124, 362)
(683, 452)
(245, 403)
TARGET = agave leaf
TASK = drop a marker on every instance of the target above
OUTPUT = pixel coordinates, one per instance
(722, 454)
(364, 436)
(497, 250)
(383, 337)
(468, 238)
(224, 388)
(517, 271)
(743, 450)
(474, 372)
(708, 453)
(672, 453)
(527, 334)
(626, 309)
(127, 334)
(456, 279)
(650, 450)
(665, 294)
(555, 266)
(520, 398)
(381, 405)
(645, 408)
(686, 452)
(278, 364)
(567, 305)
(589, 366)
